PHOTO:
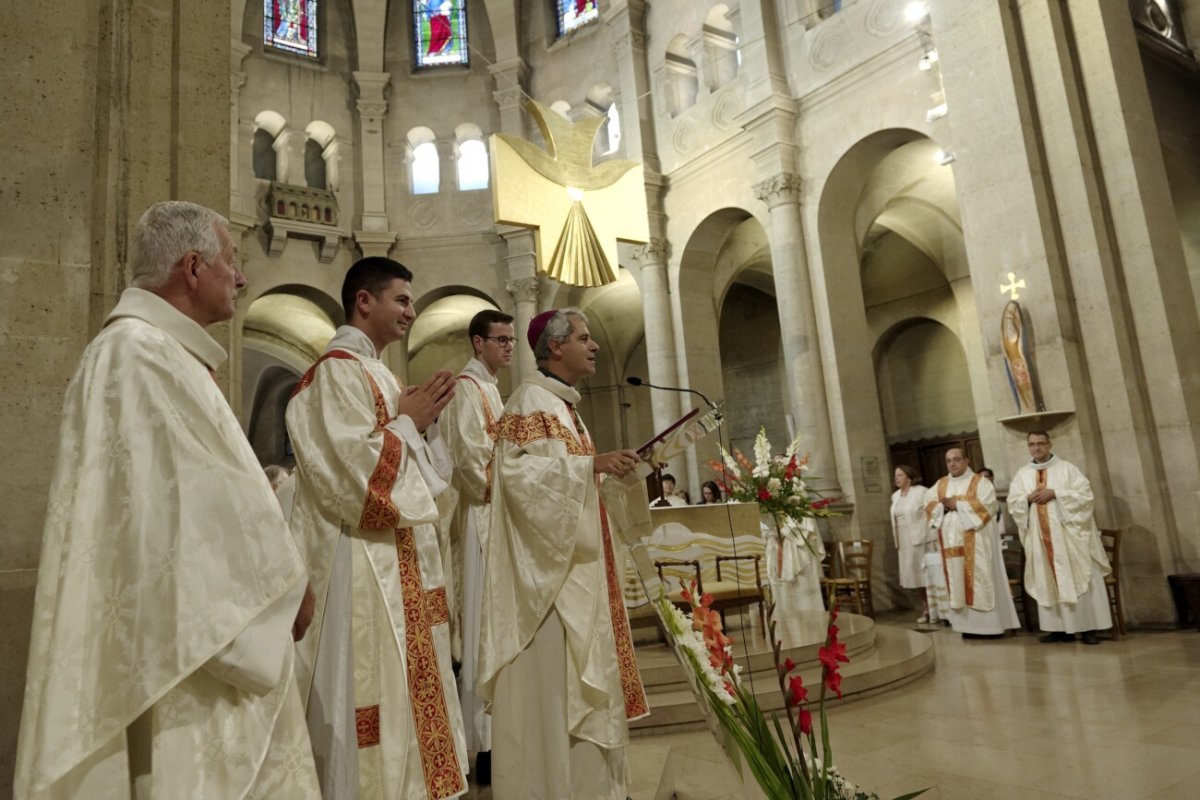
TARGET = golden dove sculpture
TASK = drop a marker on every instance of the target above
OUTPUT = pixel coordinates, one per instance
(579, 210)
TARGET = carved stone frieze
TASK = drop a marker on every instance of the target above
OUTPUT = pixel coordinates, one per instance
(654, 251)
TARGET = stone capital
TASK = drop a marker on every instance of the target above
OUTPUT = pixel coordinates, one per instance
(654, 251)
(524, 290)
(779, 189)
(371, 88)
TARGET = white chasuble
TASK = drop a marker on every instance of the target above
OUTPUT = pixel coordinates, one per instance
(971, 558)
(375, 667)
(161, 658)
(469, 425)
(552, 605)
(1063, 551)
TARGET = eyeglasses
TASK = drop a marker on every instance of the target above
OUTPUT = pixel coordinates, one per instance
(503, 341)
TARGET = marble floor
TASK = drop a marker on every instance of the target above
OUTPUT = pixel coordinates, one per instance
(996, 719)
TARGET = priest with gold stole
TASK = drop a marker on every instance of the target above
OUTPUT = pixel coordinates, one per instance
(469, 427)
(556, 654)
(375, 670)
(1052, 503)
(169, 586)
(961, 508)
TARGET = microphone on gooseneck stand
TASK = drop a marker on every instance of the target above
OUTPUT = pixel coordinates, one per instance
(635, 381)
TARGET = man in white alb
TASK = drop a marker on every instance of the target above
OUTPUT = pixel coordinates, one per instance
(555, 653)
(667, 497)
(961, 507)
(376, 676)
(169, 586)
(1051, 502)
(468, 426)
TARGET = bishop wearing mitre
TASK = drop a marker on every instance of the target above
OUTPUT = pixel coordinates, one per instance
(961, 508)
(169, 586)
(375, 671)
(555, 651)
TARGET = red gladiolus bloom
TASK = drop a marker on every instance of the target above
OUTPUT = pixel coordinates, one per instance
(805, 721)
(833, 682)
(791, 469)
(763, 494)
(831, 655)
(797, 694)
(706, 600)
(824, 501)
(787, 666)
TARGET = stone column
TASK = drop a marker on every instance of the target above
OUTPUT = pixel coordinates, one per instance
(237, 79)
(509, 94)
(660, 333)
(374, 236)
(801, 353)
(525, 292)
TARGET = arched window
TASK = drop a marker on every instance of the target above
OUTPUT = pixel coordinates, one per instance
(291, 26)
(440, 28)
(472, 158)
(425, 169)
(683, 82)
(574, 14)
(612, 127)
(601, 102)
(321, 156)
(270, 146)
(721, 50)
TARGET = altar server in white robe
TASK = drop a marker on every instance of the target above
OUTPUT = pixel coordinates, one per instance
(469, 426)
(161, 658)
(961, 508)
(913, 538)
(1052, 505)
(375, 672)
(556, 655)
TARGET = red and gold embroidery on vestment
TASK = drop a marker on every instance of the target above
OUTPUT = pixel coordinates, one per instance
(636, 705)
(379, 512)
(431, 718)
(308, 376)
(366, 722)
(521, 430)
(1043, 515)
(439, 609)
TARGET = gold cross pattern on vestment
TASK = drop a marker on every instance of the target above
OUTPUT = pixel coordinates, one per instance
(578, 210)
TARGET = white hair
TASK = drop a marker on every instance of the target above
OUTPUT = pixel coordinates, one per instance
(558, 329)
(166, 233)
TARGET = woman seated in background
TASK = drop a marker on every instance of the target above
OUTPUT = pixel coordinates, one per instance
(710, 493)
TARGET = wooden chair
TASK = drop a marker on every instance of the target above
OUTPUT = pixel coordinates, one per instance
(1014, 568)
(854, 578)
(1111, 539)
(727, 591)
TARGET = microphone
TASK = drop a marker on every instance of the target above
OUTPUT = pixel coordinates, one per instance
(635, 381)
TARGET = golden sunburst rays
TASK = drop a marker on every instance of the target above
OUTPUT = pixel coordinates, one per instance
(579, 210)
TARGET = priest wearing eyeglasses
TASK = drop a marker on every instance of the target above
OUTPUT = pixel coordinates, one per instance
(469, 430)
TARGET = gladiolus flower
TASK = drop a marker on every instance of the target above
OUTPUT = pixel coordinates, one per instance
(831, 655)
(706, 600)
(763, 494)
(805, 721)
(791, 469)
(822, 503)
(797, 694)
(787, 666)
(833, 682)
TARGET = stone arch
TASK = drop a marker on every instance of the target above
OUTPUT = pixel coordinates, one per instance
(269, 156)
(438, 337)
(722, 52)
(889, 205)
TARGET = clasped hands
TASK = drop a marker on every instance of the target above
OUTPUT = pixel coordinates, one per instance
(1040, 496)
(424, 402)
(618, 463)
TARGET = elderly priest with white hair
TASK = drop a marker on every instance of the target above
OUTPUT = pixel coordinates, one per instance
(169, 587)
(556, 655)
(1051, 502)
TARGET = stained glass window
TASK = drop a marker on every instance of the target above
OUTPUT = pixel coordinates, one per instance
(574, 14)
(440, 27)
(291, 26)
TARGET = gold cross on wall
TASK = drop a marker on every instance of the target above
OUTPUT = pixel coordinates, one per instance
(1013, 285)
